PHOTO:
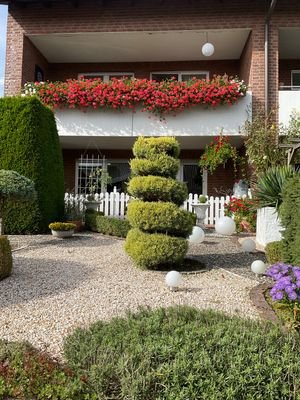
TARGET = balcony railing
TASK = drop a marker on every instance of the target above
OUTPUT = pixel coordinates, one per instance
(197, 121)
(289, 102)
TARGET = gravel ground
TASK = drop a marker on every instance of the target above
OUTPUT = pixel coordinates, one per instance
(58, 285)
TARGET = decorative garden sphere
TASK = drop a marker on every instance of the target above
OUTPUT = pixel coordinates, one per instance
(208, 49)
(173, 279)
(225, 226)
(197, 235)
(248, 245)
(258, 267)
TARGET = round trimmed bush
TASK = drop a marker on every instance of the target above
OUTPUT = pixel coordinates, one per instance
(156, 188)
(160, 217)
(5, 258)
(181, 353)
(161, 165)
(151, 250)
(152, 146)
(274, 252)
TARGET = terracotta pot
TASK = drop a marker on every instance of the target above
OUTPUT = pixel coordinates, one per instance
(78, 223)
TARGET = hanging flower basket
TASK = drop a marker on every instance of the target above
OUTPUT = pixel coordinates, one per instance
(218, 153)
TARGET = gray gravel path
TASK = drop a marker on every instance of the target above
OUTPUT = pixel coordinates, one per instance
(58, 285)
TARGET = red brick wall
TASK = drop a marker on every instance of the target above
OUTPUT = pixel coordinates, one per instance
(31, 58)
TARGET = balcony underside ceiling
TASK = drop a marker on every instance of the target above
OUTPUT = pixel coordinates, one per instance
(126, 143)
(139, 46)
(289, 39)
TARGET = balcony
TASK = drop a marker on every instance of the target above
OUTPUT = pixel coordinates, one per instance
(75, 126)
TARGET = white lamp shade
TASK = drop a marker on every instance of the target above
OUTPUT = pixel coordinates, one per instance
(258, 267)
(208, 49)
(225, 226)
(173, 279)
(197, 235)
(248, 245)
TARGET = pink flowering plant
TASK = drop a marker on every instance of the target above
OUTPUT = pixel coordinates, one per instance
(160, 98)
(286, 289)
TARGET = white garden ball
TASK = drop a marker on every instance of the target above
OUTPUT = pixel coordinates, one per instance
(197, 235)
(248, 245)
(225, 226)
(173, 279)
(258, 267)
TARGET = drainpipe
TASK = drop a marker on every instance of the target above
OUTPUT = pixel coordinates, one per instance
(267, 25)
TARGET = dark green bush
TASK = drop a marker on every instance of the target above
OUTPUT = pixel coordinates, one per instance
(26, 373)
(153, 146)
(151, 250)
(97, 222)
(274, 252)
(156, 188)
(5, 258)
(29, 144)
(160, 217)
(161, 165)
(290, 218)
(182, 353)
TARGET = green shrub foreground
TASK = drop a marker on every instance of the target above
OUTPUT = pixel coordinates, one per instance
(29, 145)
(181, 353)
(5, 257)
(177, 353)
(97, 222)
(290, 218)
(274, 252)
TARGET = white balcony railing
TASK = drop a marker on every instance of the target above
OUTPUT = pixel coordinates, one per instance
(197, 121)
(289, 101)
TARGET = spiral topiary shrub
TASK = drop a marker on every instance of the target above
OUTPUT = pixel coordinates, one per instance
(153, 250)
(160, 227)
(161, 165)
(5, 258)
(160, 217)
(157, 188)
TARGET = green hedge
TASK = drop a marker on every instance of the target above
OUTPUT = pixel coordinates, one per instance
(160, 217)
(5, 258)
(182, 353)
(162, 165)
(156, 188)
(274, 252)
(29, 145)
(153, 250)
(153, 146)
(290, 218)
(97, 222)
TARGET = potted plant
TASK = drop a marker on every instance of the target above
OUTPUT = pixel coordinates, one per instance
(62, 229)
(218, 153)
(200, 209)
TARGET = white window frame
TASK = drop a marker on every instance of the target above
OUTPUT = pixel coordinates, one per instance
(297, 71)
(89, 164)
(204, 174)
(180, 73)
(106, 75)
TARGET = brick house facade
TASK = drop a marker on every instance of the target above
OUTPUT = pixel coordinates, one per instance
(33, 27)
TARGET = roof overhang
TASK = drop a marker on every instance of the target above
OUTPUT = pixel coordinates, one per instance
(289, 39)
(140, 46)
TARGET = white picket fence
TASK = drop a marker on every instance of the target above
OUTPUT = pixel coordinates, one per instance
(114, 204)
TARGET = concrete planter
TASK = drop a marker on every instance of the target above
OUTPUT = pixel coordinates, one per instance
(268, 227)
(62, 234)
(200, 210)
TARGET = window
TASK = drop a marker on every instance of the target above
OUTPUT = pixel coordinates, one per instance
(105, 76)
(87, 166)
(295, 79)
(179, 76)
